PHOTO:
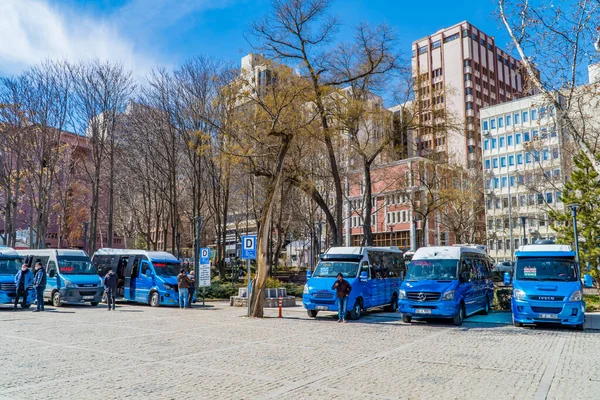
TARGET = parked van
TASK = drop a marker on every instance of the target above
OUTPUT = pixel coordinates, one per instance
(10, 264)
(447, 282)
(375, 274)
(142, 276)
(71, 277)
(547, 286)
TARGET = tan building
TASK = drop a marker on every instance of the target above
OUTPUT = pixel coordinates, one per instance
(458, 71)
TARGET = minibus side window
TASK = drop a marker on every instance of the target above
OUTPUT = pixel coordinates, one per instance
(51, 269)
(464, 271)
(364, 268)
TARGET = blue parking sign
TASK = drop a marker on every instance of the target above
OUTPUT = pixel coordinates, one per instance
(248, 247)
(204, 256)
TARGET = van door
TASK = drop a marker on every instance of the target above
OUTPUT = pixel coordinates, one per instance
(466, 285)
(145, 282)
(364, 289)
(134, 278)
(51, 277)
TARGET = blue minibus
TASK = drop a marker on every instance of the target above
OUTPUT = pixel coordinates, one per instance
(148, 277)
(70, 275)
(446, 282)
(10, 264)
(375, 274)
(546, 286)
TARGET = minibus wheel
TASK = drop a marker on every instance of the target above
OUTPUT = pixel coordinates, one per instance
(486, 310)
(312, 313)
(517, 324)
(460, 316)
(393, 306)
(94, 303)
(406, 319)
(579, 327)
(154, 299)
(355, 313)
(56, 299)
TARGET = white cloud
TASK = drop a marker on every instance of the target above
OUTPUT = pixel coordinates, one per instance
(32, 30)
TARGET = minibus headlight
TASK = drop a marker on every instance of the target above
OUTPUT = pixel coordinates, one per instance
(402, 294)
(449, 295)
(167, 286)
(576, 296)
(305, 290)
(519, 294)
(69, 284)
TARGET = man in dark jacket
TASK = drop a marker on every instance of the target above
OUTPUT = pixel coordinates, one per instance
(183, 284)
(110, 284)
(343, 289)
(39, 283)
(192, 288)
(23, 280)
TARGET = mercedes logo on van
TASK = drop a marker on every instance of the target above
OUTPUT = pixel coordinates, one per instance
(422, 296)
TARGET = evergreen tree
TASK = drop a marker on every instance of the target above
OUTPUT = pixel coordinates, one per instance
(582, 188)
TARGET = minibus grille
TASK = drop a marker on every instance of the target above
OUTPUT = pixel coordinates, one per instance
(547, 298)
(548, 310)
(8, 287)
(83, 293)
(423, 296)
(323, 295)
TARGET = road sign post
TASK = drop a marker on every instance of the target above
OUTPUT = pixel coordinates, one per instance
(204, 271)
(249, 253)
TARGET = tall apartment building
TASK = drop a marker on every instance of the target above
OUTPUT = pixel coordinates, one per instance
(525, 162)
(458, 71)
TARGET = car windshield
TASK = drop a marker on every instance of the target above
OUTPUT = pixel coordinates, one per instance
(166, 269)
(10, 266)
(76, 265)
(546, 269)
(330, 269)
(434, 270)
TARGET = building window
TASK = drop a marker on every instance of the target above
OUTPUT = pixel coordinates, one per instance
(451, 38)
(534, 114)
(546, 155)
(525, 116)
(517, 138)
(512, 181)
(508, 122)
(436, 44)
(501, 144)
(517, 118)
(486, 144)
(509, 140)
(555, 153)
(423, 50)
(492, 123)
(495, 162)
(494, 140)
(503, 162)
(534, 134)
(504, 181)
(526, 136)
(496, 183)
(519, 159)
(527, 158)
(522, 201)
(500, 122)
(487, 164)
(558, 197)
(488, 184)
(485, 125)
(549, 197)
(511, 161)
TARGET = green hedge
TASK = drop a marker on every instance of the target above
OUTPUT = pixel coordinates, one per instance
(502, 299)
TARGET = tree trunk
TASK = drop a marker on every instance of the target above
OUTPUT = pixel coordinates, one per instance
(367, 230)
(262, 269)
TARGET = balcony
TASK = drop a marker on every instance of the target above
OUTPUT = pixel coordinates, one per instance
(468, 84)
(470, 113)
(468, 70)
(471, 142)
(469, 98)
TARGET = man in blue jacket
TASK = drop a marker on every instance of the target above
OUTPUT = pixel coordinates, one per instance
(39, 283)
(23, 280)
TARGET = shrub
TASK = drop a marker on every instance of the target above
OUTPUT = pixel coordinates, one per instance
(502, 299)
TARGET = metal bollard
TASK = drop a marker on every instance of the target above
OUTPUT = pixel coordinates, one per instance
(280, 306)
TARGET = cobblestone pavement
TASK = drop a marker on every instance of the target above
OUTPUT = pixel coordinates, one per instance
(215, 352)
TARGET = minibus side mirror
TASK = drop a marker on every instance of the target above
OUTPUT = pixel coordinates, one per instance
(363, 276)
(588, 281)
(52, 273)
(507, 278)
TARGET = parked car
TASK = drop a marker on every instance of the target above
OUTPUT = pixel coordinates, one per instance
(504, 266)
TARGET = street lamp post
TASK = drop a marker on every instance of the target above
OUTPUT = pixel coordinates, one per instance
(523, 220)
(320, 225)
(574, 208)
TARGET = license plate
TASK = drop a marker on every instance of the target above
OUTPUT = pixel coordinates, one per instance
(88, 297)
(423, 311)
(549, 316)
(321, 308)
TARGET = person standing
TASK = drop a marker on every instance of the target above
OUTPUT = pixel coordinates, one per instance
(23, 279)
(110, 284)
(39, 283)
(183, 284)
(343, 290)
(192, 288)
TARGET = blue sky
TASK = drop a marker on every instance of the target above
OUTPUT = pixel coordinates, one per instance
(146, 33)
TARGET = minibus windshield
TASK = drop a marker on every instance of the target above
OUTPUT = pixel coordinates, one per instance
(166, 269)
(546, 269)
(76, 265)
(330, 269)
(435, 270)
(10, 266)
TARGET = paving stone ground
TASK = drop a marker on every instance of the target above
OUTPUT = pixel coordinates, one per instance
(139, 352)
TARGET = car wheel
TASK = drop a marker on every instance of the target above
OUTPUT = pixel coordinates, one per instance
(460, 316)
(393, 306)
(406, 319)
(486, 309)
(356, 310)
(94, 303)
(154, 299)
(312, 313)
(56, 299)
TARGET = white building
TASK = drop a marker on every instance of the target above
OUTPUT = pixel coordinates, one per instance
(524, 164)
